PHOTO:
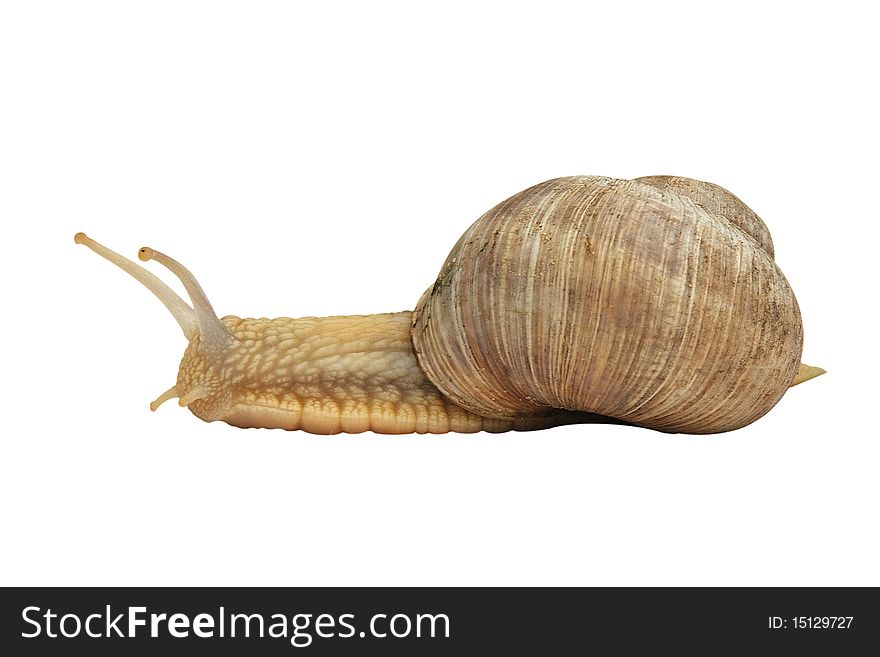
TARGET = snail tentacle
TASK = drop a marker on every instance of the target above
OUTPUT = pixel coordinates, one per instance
(213, 335)
(182, 312)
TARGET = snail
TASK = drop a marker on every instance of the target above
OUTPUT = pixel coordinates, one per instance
(653, 302)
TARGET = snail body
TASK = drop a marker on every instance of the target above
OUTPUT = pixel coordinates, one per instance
(653, 302)
(327, 375)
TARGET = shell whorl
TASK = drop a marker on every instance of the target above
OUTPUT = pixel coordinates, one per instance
(716, 200)
(655, 301)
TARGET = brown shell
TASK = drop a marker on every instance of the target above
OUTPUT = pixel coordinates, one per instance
(716, 200)
(655, 301)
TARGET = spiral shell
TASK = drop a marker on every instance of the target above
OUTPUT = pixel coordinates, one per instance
(655, 301)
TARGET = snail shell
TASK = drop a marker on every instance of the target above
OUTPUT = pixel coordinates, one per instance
(655, 301)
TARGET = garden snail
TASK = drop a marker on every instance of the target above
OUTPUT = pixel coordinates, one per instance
(653, 301)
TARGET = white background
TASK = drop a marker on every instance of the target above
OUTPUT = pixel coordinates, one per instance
(322, 158)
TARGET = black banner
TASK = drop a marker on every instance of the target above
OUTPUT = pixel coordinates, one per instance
(445, 621)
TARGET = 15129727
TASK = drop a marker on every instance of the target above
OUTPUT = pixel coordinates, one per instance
(810, 622)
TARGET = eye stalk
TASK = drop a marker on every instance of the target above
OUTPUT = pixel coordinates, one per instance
(213, 335)
(181, 311)
(198, 322)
